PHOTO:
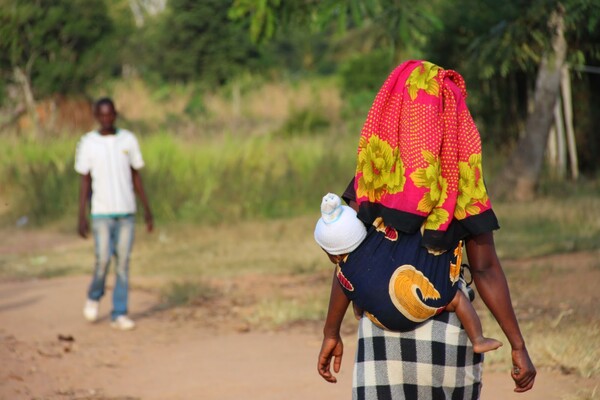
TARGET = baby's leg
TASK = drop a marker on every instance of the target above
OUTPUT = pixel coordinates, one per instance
(468, 317)
(358, 312)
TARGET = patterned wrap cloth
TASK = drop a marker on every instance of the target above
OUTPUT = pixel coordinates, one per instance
(419, 158)
(396, 281)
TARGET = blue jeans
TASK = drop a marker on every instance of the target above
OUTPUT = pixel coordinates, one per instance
(112, 236)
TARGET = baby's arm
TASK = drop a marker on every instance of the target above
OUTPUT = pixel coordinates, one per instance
(332, 346)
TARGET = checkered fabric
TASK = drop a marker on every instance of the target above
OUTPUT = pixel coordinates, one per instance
(433, 362)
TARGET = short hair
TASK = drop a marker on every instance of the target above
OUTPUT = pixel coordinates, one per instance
(104, 101)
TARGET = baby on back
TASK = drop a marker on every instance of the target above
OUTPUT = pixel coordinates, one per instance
(373, 288)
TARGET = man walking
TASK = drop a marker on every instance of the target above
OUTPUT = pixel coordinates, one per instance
(109, 160)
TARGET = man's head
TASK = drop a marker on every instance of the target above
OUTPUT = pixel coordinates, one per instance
(338, 231)
(105, 113)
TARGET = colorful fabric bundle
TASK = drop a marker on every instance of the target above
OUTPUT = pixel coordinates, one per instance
(397, 282)
(419, 158)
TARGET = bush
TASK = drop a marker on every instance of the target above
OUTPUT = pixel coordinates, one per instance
(302, 122)
(366, 71)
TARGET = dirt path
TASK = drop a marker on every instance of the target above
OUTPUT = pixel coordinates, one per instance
(169, 358)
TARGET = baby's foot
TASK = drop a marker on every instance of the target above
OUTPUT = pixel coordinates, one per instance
(485, 344)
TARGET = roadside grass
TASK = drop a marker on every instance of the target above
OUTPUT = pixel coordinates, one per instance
(571, 348)
(555, 300)
(187, 293)
(584, 394)
(554, 223)
(50, 262)
(277, 312)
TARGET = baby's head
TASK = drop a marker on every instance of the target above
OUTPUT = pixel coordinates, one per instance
(338, 231)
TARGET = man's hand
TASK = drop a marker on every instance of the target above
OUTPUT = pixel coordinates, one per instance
(83, 227)
(85, 188)
(523, 372)
(332, 347)
(149, 221)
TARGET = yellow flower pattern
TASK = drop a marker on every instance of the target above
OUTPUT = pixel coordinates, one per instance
(436, 218)
(471, 188)
(431, 178)
(393, 148)
(422, 78)
(382, 169)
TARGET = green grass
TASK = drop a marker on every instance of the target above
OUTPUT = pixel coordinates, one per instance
(276, 312)
(37, 178)
(187, 293)
(222, 179)
(565, 222)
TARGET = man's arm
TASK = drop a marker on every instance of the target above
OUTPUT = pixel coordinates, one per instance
(138, 186)
(84, 194)
(493, 288)
(333, 346)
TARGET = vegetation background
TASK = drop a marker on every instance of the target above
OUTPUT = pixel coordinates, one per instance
(248, 111)
(261, 102)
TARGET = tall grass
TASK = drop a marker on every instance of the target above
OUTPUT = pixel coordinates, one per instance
(37, 178)
(554, 223)
(210, 180)
(230, 178)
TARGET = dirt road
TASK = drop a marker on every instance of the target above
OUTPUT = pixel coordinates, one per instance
(168, 357)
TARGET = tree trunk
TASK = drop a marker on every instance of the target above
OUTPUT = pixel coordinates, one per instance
(568, 111)
(23, 81)
(13, 118)
(519, 178)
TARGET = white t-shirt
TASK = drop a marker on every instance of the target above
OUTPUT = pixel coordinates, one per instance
(109, 159)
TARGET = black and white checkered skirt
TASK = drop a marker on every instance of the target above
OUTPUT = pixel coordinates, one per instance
(433, 362)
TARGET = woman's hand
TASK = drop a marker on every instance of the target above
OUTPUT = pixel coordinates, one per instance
(523, 372)
(332, 347)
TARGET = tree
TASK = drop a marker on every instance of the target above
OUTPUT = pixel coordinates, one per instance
(53, 46)
(401, 26)
(502, 47)
(196, 41)
(519, 178)
(533, 41)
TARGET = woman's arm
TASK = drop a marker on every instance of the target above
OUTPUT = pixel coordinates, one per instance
(333, 346)
(493, 288)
